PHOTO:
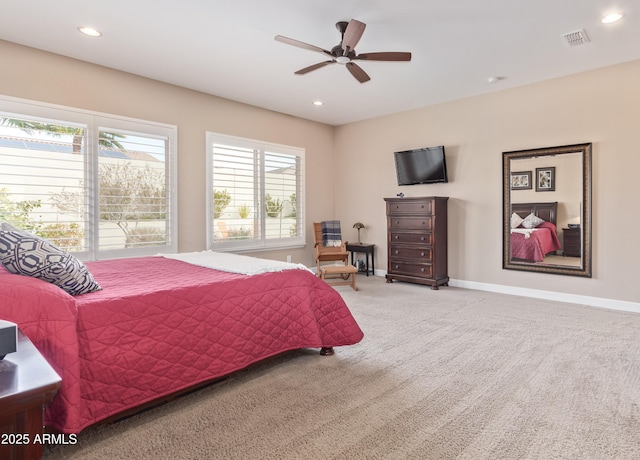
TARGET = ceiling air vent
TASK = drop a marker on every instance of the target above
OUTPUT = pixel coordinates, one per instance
(579, 37)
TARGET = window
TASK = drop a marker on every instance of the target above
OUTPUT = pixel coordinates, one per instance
(96, 185)
(255, 194)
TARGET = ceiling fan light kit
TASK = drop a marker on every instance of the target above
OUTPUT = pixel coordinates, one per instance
(344, 53)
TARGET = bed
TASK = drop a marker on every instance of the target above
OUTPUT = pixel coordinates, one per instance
(532, 244)
(161, 325)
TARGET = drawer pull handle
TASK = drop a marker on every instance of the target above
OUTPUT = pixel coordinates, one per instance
(422, 206)
(397, 237)
(422, 254)
(422, 270)
(397, 252)
(397, 221)
(422, 238)
(397, 266)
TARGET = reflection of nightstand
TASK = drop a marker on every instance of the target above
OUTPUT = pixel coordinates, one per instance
(571, 242)
(27, 383)
(367, 250)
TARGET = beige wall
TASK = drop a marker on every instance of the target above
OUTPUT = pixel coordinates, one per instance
(46, 77)
(602, 107)
(350, 168)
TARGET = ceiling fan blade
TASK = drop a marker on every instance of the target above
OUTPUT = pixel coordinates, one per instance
(385, 56)
(313, 67)
(357, 72)
(352, 35)
(299, 44)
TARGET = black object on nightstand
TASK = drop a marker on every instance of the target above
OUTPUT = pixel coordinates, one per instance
(367, 250)
(8, 338)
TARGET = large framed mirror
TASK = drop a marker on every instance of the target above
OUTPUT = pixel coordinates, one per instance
(547, 210)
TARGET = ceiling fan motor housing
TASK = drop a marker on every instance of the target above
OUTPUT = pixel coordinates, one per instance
(337, 52)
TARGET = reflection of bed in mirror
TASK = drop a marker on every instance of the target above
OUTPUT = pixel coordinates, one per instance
(533, 244)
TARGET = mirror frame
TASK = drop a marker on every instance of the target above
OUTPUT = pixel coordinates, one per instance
(585, 224)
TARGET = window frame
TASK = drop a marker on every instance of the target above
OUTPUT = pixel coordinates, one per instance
(94, 122)
(263, 243)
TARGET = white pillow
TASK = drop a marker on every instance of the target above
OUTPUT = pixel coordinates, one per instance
(516, 220)
(8, 227)
(531, 221)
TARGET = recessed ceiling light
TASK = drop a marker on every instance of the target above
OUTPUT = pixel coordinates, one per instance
(318, 103)
(494, 79)
(90, 31)
(612, 17)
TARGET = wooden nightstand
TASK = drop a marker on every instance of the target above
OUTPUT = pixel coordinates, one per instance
(27, 383)
(571, 246)
(367, 250)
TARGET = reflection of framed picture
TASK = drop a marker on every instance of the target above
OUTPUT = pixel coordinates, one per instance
(546, 179)
(521, 180)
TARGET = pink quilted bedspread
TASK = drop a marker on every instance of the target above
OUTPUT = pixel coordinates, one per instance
(162, 325)
(540, 242)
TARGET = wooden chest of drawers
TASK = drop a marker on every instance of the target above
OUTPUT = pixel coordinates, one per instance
(417, 240)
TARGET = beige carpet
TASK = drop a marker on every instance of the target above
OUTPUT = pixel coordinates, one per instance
(445, 374)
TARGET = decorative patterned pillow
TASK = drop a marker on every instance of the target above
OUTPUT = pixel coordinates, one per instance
(531, 221)
(25, 254)
(516, 220)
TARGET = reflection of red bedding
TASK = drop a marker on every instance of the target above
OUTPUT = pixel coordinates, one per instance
(161, 325)
(541, 241)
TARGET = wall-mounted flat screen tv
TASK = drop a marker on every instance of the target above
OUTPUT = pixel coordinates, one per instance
(421, 166)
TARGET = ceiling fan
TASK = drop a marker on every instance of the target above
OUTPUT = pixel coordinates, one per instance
(344, 52)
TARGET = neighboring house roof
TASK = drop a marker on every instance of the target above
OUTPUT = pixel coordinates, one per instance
(61, 147)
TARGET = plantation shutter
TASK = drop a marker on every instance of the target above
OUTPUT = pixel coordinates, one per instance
(254, 194)
(97, 185)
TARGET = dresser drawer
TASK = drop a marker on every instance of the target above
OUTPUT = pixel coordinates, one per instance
(412, 238)
(410, 207)
(572, 246)
(397, 267)
(411, 223)
(419, 255)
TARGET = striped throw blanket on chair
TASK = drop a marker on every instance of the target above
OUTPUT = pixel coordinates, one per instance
(331, 235)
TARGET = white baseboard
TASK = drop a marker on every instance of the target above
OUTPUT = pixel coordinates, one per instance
(611, 304)
(600, 302)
